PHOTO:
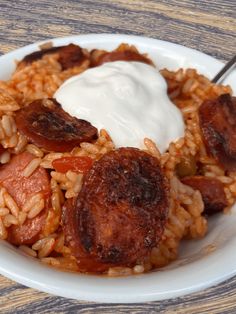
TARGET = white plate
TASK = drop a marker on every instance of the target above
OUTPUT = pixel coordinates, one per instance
(194, 270)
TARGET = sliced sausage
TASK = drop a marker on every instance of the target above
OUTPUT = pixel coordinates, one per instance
(29, 232)
(22, 188)
(69, 56)
(122, 53)
(212, 191)
(48, 126)
(120, 212)
(2, 149)
(84, 261)
(218, 125)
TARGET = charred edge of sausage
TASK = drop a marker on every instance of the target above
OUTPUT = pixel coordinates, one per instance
(47, 125)
(212, 191)
(217, 132)
(86, 233)
(36, 55)
(69, 56)
(55, 119)
(228, 99)
(98, 58)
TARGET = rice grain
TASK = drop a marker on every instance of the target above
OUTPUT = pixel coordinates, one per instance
(3, 230)
(5, 157)
(28, 251)
(31, 167)
(47, 248)
(36, 209)
(7, 126)
(31, 202)
(4, 211)
(9, 220)
(11, 204)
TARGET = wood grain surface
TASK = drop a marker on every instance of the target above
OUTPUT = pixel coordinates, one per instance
(205, 25)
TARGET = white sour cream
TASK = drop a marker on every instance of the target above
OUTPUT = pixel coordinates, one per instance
(128, 99)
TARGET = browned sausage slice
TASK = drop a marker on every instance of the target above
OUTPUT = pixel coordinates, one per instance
(22, 188)
(69, 56)
(47, 125)
(212, 191)
(122, 53)
(120, 213)
(218, 124)
(84, 261)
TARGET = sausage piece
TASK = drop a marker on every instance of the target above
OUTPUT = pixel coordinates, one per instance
(122, 53)
(120, 212)
(47, 125)
(212, 191)
(29, 232)
(218, 125)
(21, 189)
(69, 56)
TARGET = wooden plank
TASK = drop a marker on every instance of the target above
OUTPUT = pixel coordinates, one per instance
(219, 300)
(149, 18)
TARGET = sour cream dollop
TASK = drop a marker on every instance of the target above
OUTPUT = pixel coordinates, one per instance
(128, 99)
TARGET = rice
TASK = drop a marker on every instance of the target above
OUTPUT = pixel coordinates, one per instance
(31, 202)
(22, 218)
(50, 261)
(7, 125)
(31, 167)
(119, 271)
(11, 204)
(7, 103)
(21, 143)
(9, 220)
(78, 183)
(41, 79)
(47, 248)
(55, 199)
(36, 209)
(34, 150)
(152, 148)
(3, 230)
(59, 177)
(38, 80)
(138, 269)
(5, 157)
(28, 250)
(4, 211)
(71, 175)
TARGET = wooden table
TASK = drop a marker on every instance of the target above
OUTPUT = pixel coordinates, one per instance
(206, 25)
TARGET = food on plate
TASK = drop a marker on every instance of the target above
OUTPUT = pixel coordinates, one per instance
(120, 212)
(46, 125)
(69, 56)
(120, 94)
(218, 125)
(77, 164)
(122, 53)
(75, 197)
(212, 191)
(25, 181)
